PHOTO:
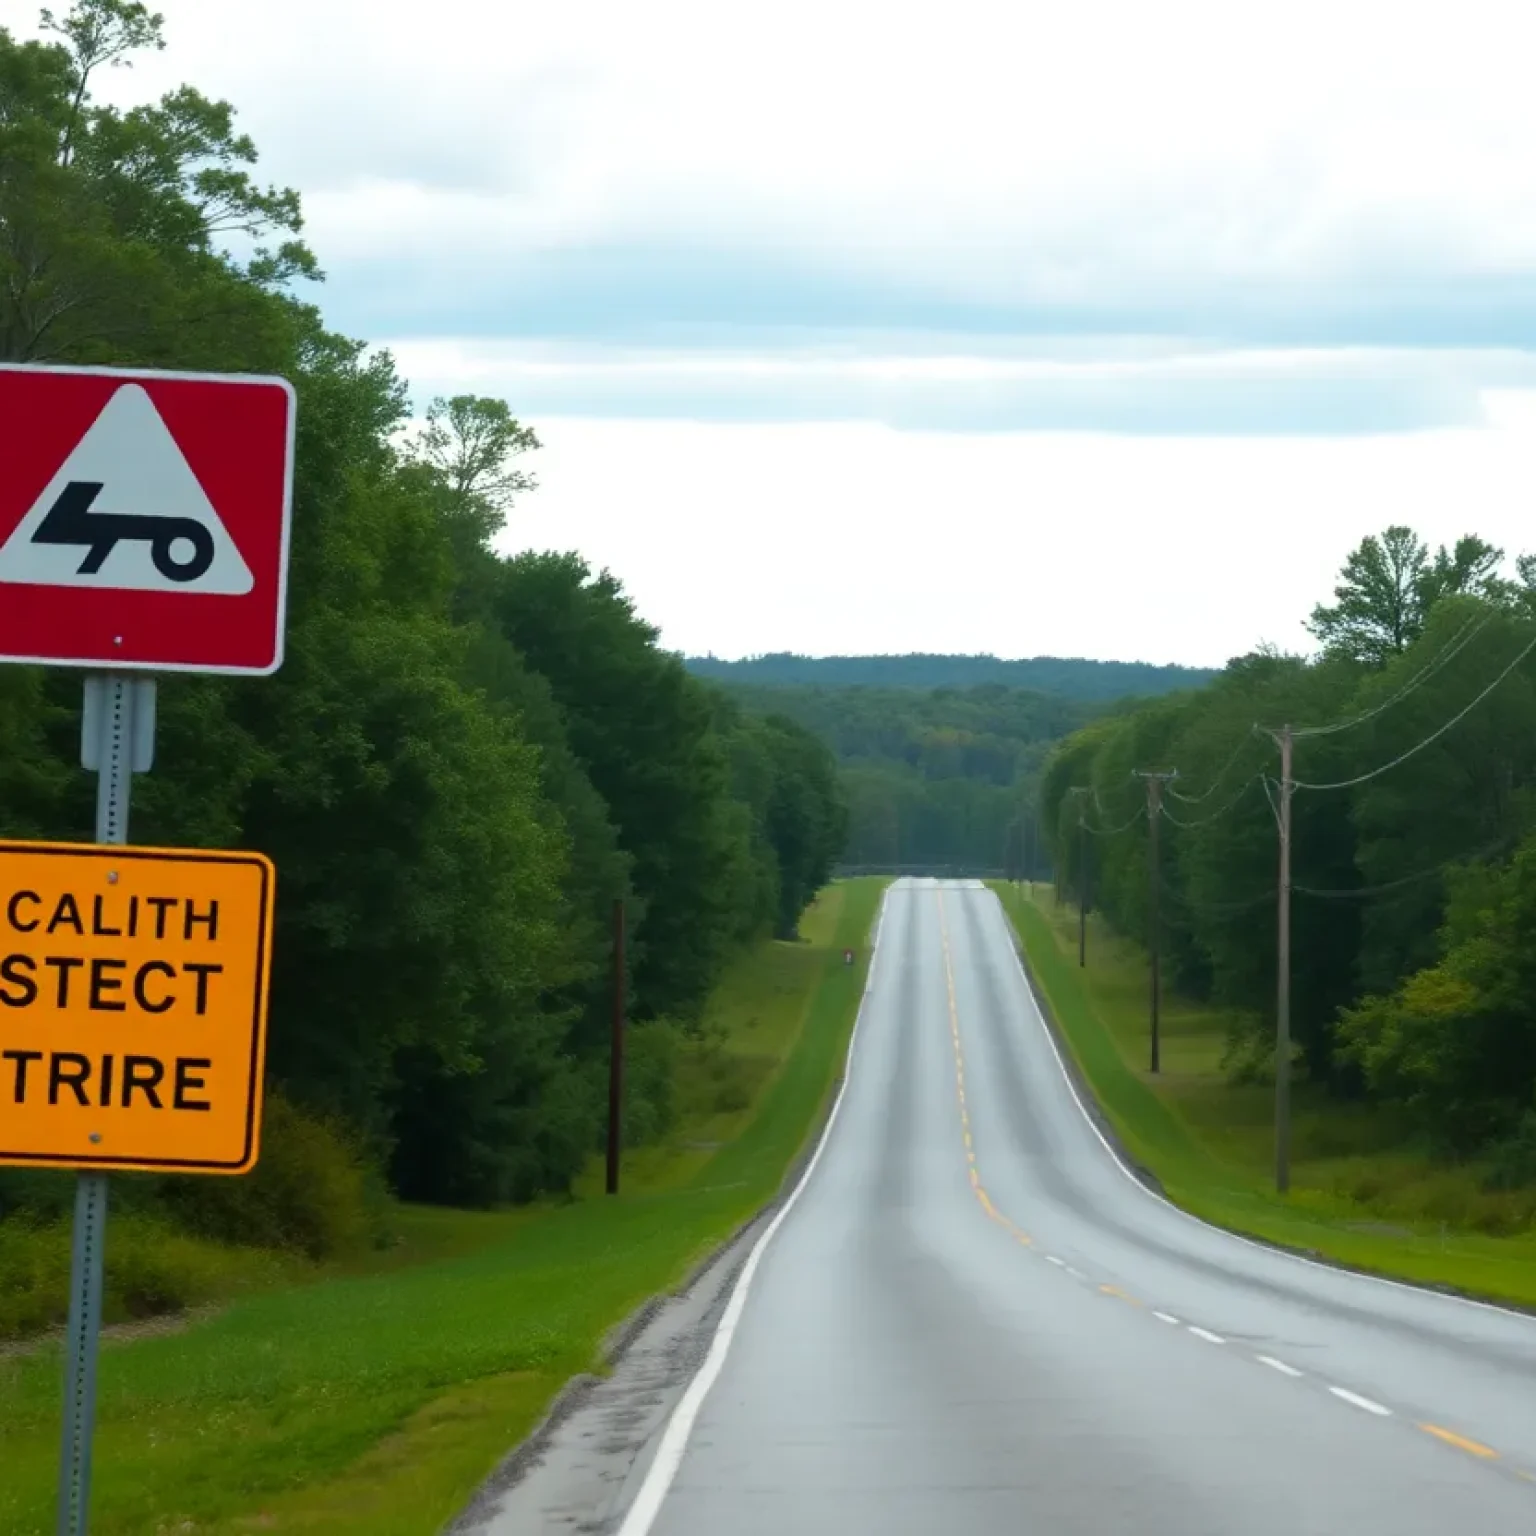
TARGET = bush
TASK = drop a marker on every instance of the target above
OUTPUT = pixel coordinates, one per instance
(151, 1270)
(34, 1274)
(1514, 1159)
(650, 1081)
(312, 1192)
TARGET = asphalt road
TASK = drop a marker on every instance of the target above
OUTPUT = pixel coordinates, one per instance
(1012, 1335)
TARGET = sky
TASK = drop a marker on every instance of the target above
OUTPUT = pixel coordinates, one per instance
(1101, 329)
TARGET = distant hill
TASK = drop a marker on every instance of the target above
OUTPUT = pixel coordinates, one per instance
(1067, 677)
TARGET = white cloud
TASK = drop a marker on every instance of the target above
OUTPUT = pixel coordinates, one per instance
(996, 147)
(855, 539)
(474, 170)
(1127, 384)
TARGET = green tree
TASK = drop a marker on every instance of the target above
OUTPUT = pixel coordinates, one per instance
(115, 226)
(642, 727)
(1390, 583)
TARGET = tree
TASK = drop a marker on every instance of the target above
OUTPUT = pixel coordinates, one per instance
(1455, 1044)
(1388, 586)
(464, 760)
(114, 225)
(1377, 611)
(472, 444)
(642, 727)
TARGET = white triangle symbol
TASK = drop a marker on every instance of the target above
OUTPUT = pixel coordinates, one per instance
(126, 511)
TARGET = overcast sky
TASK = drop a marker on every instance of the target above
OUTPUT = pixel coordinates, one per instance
(1096, 328)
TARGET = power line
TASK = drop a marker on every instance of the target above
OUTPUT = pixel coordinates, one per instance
(1433, 737)
(1216, 782)
(1217, 907)
(1454, 646)
(1471, 627)
(1364, 892)
(1200, 821)
(1124, 826)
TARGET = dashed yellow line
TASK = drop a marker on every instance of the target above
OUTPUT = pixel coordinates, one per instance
(982, 1197)
(1471, 1447)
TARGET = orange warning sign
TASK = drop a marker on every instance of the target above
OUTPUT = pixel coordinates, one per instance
(133, 1006)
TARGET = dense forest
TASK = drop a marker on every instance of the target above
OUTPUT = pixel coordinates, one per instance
(1413, 793)
(940, 756)
(1070, 677)
(941, 778)
(465, 758)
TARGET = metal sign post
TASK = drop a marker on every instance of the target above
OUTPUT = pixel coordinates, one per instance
(117, 740)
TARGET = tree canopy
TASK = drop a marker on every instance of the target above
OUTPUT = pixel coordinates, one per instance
(466, 757)
(1414, 817)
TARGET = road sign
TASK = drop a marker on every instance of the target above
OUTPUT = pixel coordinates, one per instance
(144, 519)
(133, 1005)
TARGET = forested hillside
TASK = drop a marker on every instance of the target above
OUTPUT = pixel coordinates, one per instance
(1414, 858)
(1070, 677)
(465, 758)
(936, 778)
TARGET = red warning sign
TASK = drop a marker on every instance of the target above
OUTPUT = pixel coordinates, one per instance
(144, 519)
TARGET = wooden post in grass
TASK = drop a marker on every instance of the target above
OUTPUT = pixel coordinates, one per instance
(1155, 782)
(616, 1052)
(1283, 979)
(1082, 877)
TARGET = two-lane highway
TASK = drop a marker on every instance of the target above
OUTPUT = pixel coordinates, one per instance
(972, 1318)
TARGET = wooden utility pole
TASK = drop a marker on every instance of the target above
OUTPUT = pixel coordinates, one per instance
(1155, 782)
(1283, 977)
(616, 1052)
(1082, 879)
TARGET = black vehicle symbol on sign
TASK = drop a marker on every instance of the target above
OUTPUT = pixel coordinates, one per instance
(71, 521)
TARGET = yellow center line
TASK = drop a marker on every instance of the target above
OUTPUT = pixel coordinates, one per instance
(1471, 1447)
(982, 1197)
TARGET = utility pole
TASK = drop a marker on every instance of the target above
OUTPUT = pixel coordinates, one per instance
(1082, 879)
(616, 1052)
(1283, 976)
(1155, 782)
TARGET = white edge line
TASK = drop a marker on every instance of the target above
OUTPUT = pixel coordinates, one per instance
(1207, 1335)
(1361, 1402)
(642, 1513)
(1277, 1365)
(1237, 1237)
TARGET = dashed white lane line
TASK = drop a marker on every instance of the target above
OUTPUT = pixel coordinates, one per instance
(1361, 1402)
(1076, 1274)
(1277, 1365)
(1166, 1317)
(1051, 1258)
(1207, 1335)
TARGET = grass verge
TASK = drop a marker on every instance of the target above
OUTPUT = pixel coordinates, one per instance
(1359, 1194)
(376, 1403)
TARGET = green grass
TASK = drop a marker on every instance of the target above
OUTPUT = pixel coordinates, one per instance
(375, 1403)
(1360, 1193)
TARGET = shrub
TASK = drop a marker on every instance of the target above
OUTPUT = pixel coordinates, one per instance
(151, 1269)
(650, 1081)
(312, 1192)
(1514, 1159)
